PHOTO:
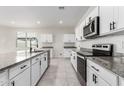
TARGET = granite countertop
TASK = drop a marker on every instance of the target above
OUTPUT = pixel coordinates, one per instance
(114, 64)
(47, 47)
(69, 47)
(10, 59)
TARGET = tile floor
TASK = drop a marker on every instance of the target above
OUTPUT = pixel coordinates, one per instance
(60, 73)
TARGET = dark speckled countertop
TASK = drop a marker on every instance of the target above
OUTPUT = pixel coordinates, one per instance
(10, 59)
(114, 64)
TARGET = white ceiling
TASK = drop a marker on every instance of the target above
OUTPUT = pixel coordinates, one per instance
(49, 16)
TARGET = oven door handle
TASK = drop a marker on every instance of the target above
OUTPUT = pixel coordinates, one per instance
(81, 57)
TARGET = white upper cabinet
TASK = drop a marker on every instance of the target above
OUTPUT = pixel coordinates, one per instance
(121, 17)
(30, 35)
(79, 31)
(111, 18)
(46, 38)
(106, 18)
(69, 38)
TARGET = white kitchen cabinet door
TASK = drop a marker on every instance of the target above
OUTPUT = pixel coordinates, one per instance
(46, 38)
(49, 38)
(67, 53)
(101, 82)
(95, 80)
(35, 73)
(121, 81)
(23, 79)
(43, 38)
(106, 18)
(3, 77)
(74, 60)
(72, 38)
(69, 38)
(44, 63)
(120, 17)
(90, 81)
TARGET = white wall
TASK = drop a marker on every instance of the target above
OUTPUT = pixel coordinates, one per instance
(57, 37)
(7, 40)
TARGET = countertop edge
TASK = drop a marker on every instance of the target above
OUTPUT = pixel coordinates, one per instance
(9, 66)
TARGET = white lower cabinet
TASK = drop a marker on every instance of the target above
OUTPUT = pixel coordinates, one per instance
(67, 53)
(94, 80)
(35, 73)
(121, 81)
(23, 79)
(102, 75)
(3, 77)
(74, 60)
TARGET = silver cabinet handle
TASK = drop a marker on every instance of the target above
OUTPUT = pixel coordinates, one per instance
(113, 23)
(23, 66)
(95, 68)
(110, 26)
(13, 83)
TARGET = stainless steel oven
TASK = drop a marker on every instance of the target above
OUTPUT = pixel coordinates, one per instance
(81, 69)
(98, 50)
(91, 30)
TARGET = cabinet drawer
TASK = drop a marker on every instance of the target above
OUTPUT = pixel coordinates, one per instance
(107, 75)
(36, 59)
(3, 77)
(18, 69)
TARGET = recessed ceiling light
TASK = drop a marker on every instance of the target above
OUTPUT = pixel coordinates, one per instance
(60, 22)
(12, 22)
(38, 22)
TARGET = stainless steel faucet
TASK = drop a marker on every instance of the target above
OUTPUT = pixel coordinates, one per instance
(31, 39)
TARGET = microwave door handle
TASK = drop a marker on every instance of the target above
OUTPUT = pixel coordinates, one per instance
(90, 27)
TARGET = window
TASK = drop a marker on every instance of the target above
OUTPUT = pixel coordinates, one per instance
(25, 41)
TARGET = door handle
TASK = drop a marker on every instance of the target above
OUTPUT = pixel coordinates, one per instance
(13, 83)
(40, 63)
(110, 26)
(113, 24)
(95, 68)
(23, 66)
(95, 79)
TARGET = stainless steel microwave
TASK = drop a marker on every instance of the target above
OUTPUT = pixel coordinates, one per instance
(91, 30)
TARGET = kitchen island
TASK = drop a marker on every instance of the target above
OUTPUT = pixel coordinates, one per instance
(23, 69)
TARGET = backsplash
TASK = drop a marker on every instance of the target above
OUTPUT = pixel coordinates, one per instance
(118, 42)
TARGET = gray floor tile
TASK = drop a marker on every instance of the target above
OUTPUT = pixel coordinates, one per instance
(60, 73)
